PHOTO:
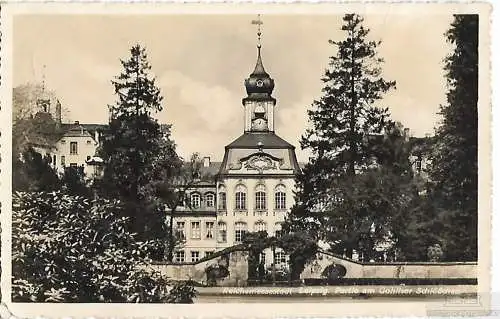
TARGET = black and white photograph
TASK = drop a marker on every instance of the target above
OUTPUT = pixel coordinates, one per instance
(264, 160)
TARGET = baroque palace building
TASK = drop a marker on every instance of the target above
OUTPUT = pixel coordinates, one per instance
(252, 188)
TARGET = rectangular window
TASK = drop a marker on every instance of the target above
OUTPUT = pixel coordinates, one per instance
(195, 256)
(222, 201)
(222, 232)
(73, 148)
(195, 230)
(63, 160)
(279, 258)
(195, 201)
(238, 235)
(208, 253)
(210, 200)
(181, 234)
(210, 229)
(280, 200)
(260, 201)
(262, 257)
(241, 201)
(179, 256)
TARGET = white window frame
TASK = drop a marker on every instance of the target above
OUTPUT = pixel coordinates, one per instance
(195, 199)
(222, 200)
(75, 150)
(195, 255)
(240, 228)
(209, 230)
(221, 232)
(280, 198)
(196, 231)
(210, 200)
(179, 256)
(240, 198)
(181, 231)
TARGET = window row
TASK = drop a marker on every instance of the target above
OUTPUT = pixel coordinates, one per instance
(180, 256)
(240, 200)
(196, 199)
(209, 232)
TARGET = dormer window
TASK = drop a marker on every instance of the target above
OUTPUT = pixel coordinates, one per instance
(195, 200)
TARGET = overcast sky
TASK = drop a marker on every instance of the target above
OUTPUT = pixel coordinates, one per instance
(201, 61)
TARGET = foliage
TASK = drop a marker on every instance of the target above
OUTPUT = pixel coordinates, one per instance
(30, 124)
(73, 249)
(343, 123)
(334, 271)
(454, 169)
(74, 183)
(33, 172)
(182, 292)
(301, 248)
(216, 271)
(138, 152)
(434, 252)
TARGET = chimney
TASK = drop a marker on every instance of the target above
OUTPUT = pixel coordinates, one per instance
(77, 122)
(58, 115)
(206, 161)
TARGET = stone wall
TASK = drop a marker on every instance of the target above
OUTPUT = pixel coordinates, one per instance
(391, 270)
(238, 269)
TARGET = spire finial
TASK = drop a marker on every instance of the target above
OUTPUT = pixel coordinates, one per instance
(43, 78)
(258, 22)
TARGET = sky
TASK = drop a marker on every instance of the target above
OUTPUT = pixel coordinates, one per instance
(201, 61)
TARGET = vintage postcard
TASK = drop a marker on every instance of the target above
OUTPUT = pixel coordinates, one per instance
(189, 160)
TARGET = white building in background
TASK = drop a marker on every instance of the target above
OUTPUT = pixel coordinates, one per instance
(252, 188)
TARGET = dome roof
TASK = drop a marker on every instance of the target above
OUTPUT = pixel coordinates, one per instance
(259, 84)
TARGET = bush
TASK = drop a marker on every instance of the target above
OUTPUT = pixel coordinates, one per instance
(73, 249)
(334, 271)
(216, 271)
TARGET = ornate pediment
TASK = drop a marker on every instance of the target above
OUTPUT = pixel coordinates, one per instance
(259, 162)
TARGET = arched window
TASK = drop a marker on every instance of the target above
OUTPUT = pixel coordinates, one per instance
(260, 197)
(195, 200)
(210, 200)
(260, 226)
(241, 197)
(222, 232)
(280, 197)
(240, 229)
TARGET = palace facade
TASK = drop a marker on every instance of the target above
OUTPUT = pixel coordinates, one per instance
(252, 189)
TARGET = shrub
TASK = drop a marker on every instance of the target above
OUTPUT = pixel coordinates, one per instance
(73, 249)
(334, 271)
(216, 271)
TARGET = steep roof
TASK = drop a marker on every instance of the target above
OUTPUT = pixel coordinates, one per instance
(268, 140)
(212, 169)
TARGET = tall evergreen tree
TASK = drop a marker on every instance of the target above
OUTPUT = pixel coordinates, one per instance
(137, 151)
(454, 162)
(343, 122)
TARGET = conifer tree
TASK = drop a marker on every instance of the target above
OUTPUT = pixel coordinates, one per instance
(137, 151)
(342, 124)
(454, 162)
